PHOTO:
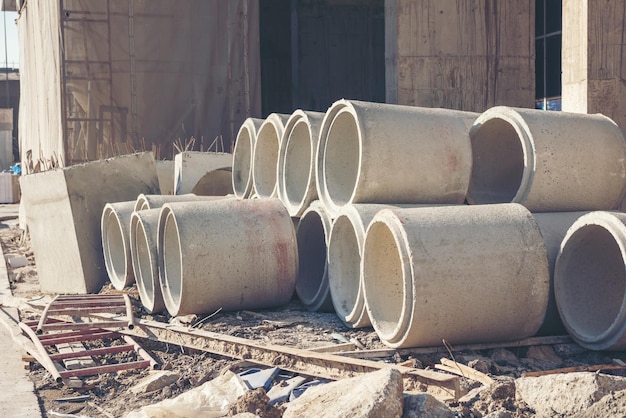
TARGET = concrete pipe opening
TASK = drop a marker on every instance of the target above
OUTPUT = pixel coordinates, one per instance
(312, 280)
(115, 243)
(498, 163)
(171, 279)
(344, 272)
(590, 283)
(145, 258)
(386, 281)
(342, 158)
(297, 165)
(242, 160)
(265, 158)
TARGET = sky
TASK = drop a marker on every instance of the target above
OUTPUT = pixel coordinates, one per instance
(11, 58)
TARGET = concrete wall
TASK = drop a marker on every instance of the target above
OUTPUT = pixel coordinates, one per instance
(594, 69)
(464, 54)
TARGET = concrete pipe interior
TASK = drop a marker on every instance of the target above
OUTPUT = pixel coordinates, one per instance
(242, 163)
(342, 158)
(172, 263)
(265, 160)
(383, 279)
(143, 263)
(298, 163)
(312, 257)
(592, 281)
(344, 260)
(115, 249)
(498, 163)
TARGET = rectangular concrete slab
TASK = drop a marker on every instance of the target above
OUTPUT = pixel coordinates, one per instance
(63, 209)
(191, 166)
(165, 173)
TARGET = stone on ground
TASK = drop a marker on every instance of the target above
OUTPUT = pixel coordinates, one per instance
(423, 405)
(373, 395)
(155, 381)
(566, 394)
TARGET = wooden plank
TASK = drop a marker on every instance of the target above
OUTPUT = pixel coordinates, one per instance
(466, 371)
(593, 368)
(329, 366)
(333, 348)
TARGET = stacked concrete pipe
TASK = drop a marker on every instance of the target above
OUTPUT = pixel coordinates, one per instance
(145, 257)
(381, 153)
(345, 247)
(114, 225)
(590, 281)
(312, 234)
(296, 161)
(553, 227)
(242, 157)
(547, 161)
(265, 158)
(465, 274)
(230, 254)
(154, 201)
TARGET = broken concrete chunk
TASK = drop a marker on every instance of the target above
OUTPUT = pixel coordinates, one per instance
(504, 357)
(611, 405)
(16, 260)
(424, 405)
(155, 381)
(373, 395)
(191, 166)
(566, 394)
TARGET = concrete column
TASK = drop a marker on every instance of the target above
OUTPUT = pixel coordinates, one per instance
(594, 72)
(465, 55)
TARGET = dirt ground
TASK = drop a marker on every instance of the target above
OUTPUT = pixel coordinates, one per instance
(109, 395)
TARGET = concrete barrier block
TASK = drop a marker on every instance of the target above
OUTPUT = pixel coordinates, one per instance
(165, 174)
(63, 209)
(191, 166)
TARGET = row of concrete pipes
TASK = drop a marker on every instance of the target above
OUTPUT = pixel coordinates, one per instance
(427, 224)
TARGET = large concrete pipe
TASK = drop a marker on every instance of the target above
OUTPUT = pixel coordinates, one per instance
(313, 233)
(461, 273)
(265, 159)
(154, 201)
(553, 227)
(381, 153)
(230, 254)
(242, 157)
(547, 161)
(345, 247)
(296, 161)
(114, 225)
(590, 281)
(145, 256)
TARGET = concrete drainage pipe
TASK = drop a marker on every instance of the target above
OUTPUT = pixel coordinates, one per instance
(547, 161)
(296, 161)
(145, 256)
(242, 157)
(312, 283)
(229, 253)
(590, 281)
(345, 247)
(381, 153)
(461, 273)
(265, 159)
(553, 227)
(114, 225)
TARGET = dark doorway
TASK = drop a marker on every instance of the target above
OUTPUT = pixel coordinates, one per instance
(314, 52)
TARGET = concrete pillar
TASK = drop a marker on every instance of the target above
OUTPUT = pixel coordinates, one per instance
(465, 55)
(594, 72)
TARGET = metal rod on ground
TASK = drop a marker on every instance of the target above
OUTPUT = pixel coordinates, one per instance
(44, 359)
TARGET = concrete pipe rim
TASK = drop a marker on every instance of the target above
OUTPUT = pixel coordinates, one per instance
(141, 203)
(344, 278)
(340, 154)
(265, 158)
(312, 279)
(393, 328)
(297, 168)
(145, 265)
(115, 248)
(284, 141)
(320, 151)
(242, 160)
(502, 163)
(584, 277)
(171, 264)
